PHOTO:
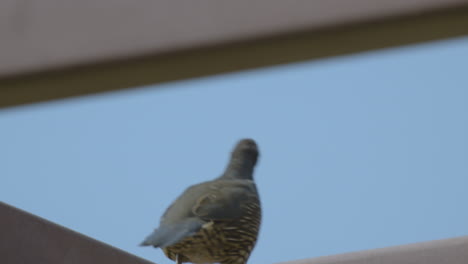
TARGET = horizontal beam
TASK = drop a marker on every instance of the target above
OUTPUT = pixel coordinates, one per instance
(28, 239)
(50, 51)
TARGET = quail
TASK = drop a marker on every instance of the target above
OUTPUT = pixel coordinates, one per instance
(215, 221)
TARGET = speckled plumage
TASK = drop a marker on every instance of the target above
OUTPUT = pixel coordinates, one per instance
(215, 221)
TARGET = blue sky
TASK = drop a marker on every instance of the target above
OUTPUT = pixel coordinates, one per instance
(357, 152)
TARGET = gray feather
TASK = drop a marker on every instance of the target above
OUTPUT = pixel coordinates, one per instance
(170, 234)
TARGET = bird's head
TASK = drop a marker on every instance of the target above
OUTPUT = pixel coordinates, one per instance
(246, 151)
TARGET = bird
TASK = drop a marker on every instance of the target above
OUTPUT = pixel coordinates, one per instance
(216, 221)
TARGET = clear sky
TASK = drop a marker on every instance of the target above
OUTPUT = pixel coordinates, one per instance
(357, 152)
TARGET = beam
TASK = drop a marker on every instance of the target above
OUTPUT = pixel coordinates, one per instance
(54, 50)
(447, 251)
(28, 239)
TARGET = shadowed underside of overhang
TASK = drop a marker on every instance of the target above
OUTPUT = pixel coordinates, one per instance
(53, 50)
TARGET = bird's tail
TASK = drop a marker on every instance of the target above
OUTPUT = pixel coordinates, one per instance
(167, 235)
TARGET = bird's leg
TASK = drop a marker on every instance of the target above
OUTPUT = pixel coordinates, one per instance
(177, 261)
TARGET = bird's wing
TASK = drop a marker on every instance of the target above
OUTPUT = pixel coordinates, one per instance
(221, 200)
(224, 200)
